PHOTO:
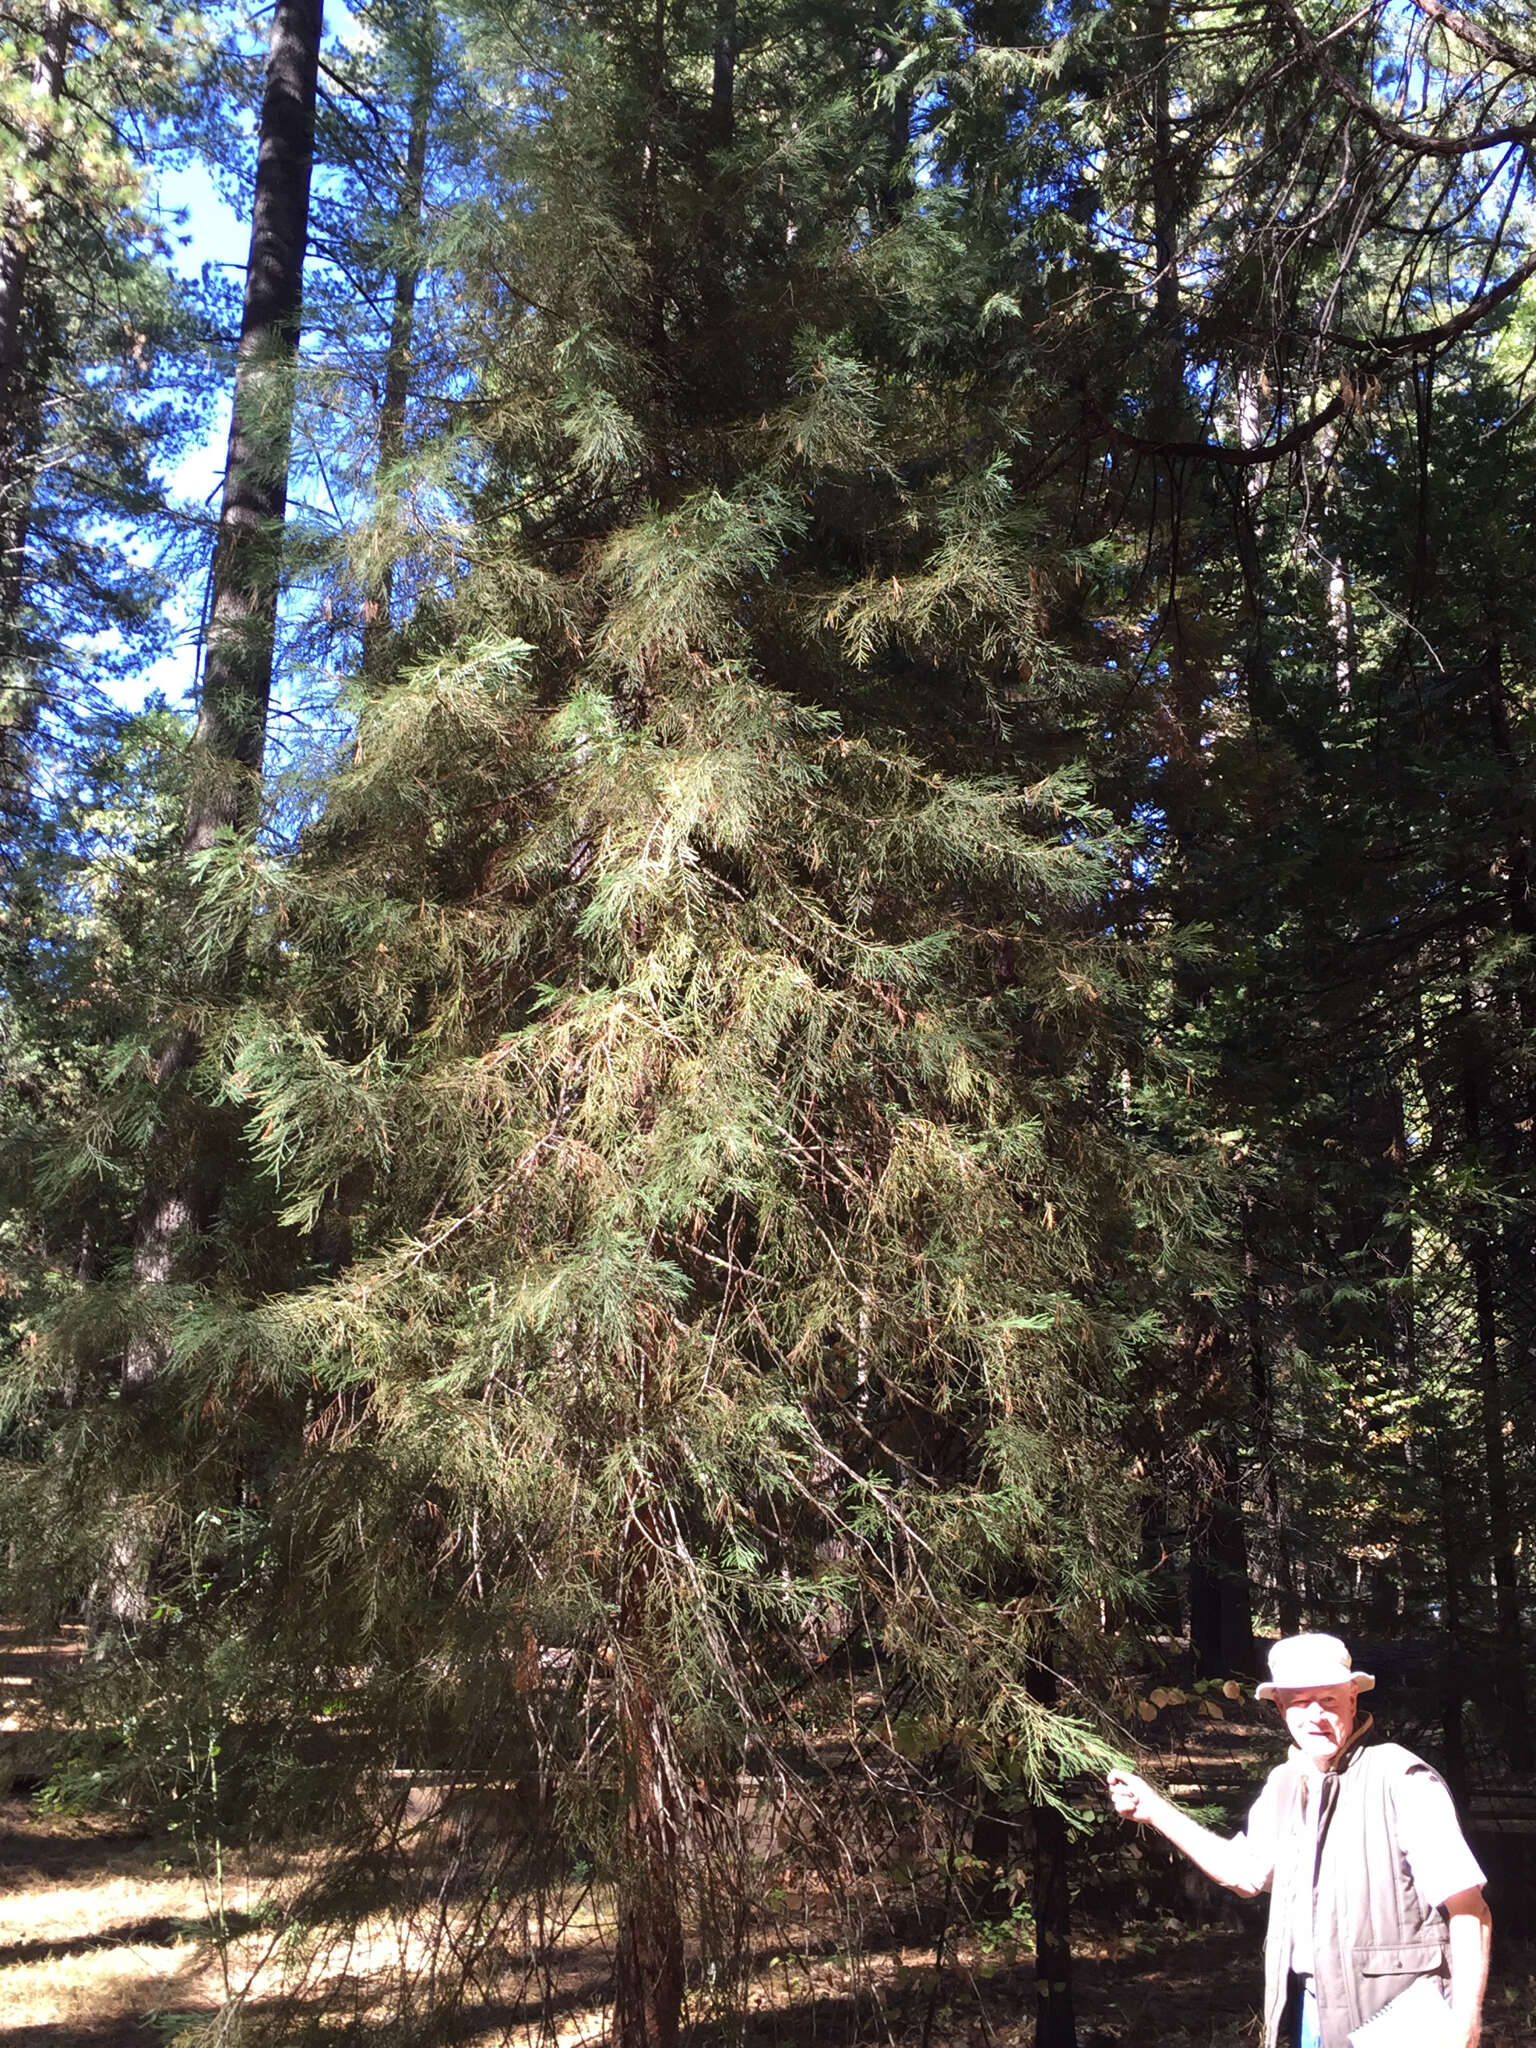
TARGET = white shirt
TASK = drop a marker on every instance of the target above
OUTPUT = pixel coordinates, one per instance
(1428, 1835)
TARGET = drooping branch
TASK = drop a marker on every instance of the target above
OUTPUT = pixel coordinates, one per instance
(1378, 361)
(1414, 140)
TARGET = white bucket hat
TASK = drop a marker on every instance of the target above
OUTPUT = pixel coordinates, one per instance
(1301, 1663)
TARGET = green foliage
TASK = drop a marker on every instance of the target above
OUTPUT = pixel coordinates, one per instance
(888, 1009)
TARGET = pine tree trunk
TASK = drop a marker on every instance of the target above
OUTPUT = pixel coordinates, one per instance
(237, 681)
(896, 185)
(377, 605)
(1453, 1692)
(1502, 1540)
(1220, 1597)
(1164, 1611)
(1261, 1386)
(722, 97)
(1165, 190)
(20, 412)
(16, 228)
(181, 1187)
(648, 1957)
(1220, 1602)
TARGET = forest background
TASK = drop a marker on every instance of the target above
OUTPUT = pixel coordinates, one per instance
(815, 1062)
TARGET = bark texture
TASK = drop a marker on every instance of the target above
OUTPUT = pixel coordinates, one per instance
(21, 390)
(183, 1180)
(648, 1951)
(1051, 1899)
(237, 680)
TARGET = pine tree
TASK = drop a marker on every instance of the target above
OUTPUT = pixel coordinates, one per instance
(733, 1188)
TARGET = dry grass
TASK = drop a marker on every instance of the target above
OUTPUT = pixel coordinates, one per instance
(97, 1930)
(101, 1937)
(106, 1937)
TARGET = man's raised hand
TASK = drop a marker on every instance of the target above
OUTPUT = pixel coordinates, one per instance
(1132, 1797)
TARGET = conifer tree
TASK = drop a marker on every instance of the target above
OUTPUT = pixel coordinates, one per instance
(725, 1161)
(698, 1211)
(100, 378)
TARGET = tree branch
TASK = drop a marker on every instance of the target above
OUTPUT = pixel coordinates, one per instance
(1455, 23)
(1380, 358)
(1409, 139)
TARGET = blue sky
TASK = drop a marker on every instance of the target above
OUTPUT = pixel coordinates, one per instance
(214, 234)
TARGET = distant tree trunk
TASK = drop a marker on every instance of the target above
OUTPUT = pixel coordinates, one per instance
(377, 605)
(719, 133)
(20, 408)
(1220, 1599)
(1164, 1610)
(1261, 1386)
(1453, 1687)
(1165, 189)
(896, 181)
(722, 97)
(1051, 1899)
(659, 482)
(184, 1175)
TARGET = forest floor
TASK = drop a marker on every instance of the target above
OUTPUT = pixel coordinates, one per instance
(109, 1939)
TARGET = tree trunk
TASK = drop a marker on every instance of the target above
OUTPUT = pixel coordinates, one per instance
(1164, 1611)
(896, 179)
(722, 97)
(1220, 1604)
(1051, 1899)
(182, 1180)
(1502, 1537)
(1220, 1599)
(1453, 1689)
(648, 1953)
(1165, 190)
(1261, 1386)
(20, 413)
(377, 625)
(237, 680)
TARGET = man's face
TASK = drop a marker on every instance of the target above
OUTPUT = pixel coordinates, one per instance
(1319, 1720)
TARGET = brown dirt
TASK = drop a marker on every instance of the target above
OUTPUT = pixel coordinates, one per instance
(105, 1943)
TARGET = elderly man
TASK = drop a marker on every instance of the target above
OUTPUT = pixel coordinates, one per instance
(1378, 1930)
